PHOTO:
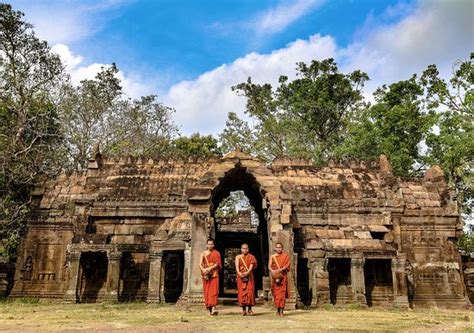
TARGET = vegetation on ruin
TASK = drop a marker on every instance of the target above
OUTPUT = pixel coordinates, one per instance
(48, 125)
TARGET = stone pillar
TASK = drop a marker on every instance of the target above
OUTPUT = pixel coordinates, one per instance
(199, 236)
(186, 269)
(71, 293)
(400, 290)
(358, 279)
(155, 278)
(113, 276)
(319, 281)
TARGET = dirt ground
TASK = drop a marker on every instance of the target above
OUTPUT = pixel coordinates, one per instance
(25, 315)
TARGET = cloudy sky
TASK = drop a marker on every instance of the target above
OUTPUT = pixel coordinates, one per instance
(191, 52)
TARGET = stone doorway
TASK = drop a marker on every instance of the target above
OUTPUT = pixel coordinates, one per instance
(173, 266)
(248, 226)
(340, 290)
(93, 277)
(133, 276)
(378, 281)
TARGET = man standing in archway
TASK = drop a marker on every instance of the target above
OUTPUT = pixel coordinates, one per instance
(210, 264)
(245, 263)
(279, 267)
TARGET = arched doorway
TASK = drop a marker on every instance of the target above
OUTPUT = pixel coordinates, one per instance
(250, 227)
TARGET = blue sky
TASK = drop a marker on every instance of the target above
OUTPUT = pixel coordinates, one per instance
(191, 52)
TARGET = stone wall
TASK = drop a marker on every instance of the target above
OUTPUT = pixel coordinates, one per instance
(394, 237)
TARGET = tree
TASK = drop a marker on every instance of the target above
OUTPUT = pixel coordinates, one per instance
(97, 112)
(451, 144)
(141, 127)
(395, 126)
(195, 145)
(305, 117)
(237, 133)
(31, 78)
(87, 112)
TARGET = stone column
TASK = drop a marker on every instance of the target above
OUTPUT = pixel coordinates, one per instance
(319, 281)
(71, 293)
(198, 244)
(400, 290)
(186, 269)
(358, 279)
(155, 277)
(113, 276)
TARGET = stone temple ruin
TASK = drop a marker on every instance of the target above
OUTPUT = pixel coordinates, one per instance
(132, 229)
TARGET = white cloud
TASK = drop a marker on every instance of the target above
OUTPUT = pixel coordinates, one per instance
(202, 104)
(132, 84)
(277, 18)
(63, 21)
(435, 32)
(438, 32)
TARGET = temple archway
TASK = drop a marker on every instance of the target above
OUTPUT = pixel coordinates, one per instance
(246, 226)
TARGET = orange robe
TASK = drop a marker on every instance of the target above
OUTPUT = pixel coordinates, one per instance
(211, 286)
(280, 291)
(246, 290)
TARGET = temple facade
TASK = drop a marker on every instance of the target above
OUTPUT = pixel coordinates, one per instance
(133, 229)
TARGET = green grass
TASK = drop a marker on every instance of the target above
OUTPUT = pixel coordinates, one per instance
(48, 316)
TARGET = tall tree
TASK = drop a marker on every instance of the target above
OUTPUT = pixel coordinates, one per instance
(304, 117)
(141, 127)
(195, 145)
(451, 144)
(237, 133)
(97, 112)
(86, 114)
(395, 126)
(31, 78)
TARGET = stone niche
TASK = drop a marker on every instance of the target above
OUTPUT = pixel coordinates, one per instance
(133, 228)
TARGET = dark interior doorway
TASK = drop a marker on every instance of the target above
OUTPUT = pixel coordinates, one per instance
(232, 232)
(173, 265)
(133, 276)
(339, 278)
(305, 291)
(378, 280)
(93, 275)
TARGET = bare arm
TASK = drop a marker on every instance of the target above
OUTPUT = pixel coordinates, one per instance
(237, 265)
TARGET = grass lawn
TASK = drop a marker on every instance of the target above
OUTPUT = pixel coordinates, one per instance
(24, 315)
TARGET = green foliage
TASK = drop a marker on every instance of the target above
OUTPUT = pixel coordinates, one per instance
(97, 113)
(395, 125)
(236, 202)
(195, 145)
(451, 146)
(466, 242)
(31, 79)
(301, 118)
(237, 134)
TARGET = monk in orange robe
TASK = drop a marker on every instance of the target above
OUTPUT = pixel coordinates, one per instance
(245, 263)
(279, 267)
(210, 264)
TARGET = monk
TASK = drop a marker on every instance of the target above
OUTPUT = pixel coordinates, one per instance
(279, 267)
(245, 263)
(210, 264)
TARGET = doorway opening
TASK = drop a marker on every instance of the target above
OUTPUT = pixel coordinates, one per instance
(340, 290)
(93, 276)
(133, 276)
(240, 217)
(378, 281)
(173, 265)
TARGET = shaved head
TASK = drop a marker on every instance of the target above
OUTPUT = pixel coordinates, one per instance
(244, 248)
